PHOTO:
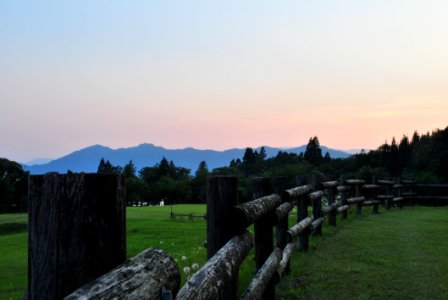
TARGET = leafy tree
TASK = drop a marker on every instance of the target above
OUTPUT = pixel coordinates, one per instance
(13, 186)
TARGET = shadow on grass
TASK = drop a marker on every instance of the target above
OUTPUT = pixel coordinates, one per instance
(13, 228)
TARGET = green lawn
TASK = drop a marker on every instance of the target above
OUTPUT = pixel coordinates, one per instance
(146, 227)
(396, 254)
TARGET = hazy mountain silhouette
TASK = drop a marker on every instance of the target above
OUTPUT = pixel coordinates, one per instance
(87, 159)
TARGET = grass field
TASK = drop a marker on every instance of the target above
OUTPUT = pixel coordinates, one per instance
(396, 254)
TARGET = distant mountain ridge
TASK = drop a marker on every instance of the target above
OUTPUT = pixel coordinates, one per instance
(144, 155)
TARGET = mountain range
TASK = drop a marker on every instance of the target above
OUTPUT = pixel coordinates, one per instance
(87, 159)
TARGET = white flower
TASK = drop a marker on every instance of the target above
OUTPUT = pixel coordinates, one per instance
(187, 270)
(195, 266)
(184, 258)
(161, 242)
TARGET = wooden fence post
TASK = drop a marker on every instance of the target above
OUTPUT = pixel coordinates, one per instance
(343, 195)
(358, 210)
(222, 196)
(331, 194)
(399, 203)
(375, 195)
(317, 204)
(302, 213)
(76, 231)
(263, 235)
(278, 186)
(388, 200)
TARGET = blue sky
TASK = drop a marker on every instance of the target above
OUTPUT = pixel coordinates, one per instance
(218, 75)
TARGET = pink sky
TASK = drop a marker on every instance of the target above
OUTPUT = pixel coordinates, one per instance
(218, 76)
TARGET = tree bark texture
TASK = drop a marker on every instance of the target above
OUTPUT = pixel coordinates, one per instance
(143, 277)
(298, 228)
(222, 197)
(354, 200)
(284, 263)
(247, 213)
(330, 184)
(263, 278)
(296, 192)
(76, 231)
(210, 280)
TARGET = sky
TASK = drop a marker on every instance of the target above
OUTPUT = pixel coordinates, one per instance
(219, 75)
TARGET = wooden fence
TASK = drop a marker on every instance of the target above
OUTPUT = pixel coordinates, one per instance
(153, 274)
(228, 241)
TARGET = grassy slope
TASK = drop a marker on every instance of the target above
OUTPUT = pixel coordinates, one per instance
(401, 254)
(396, 254)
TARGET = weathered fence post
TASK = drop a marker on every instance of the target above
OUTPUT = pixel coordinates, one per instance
(343, 195)
(331, 194)
(358, 210)
(278, 186)
(388, 200)
(302, 213)
(399, 187)
(76, 231)
(374, 195)
(263, 235)
(317, 205)
(222, 196)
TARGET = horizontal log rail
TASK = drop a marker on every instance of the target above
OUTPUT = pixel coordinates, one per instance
(143, 277)
(370, 202)
(286, 257)
(330, 184)
(342, 208)
(316, 195)
(294, 231)
(283, 210)
(344, 188)
(256, 288)
(371, 186)
(296, 192)
(209, 281)
(432, 197)
(317, 223)
(385, 182)
(356, 199)
(247, 213)
(355, 181)
(436, 186)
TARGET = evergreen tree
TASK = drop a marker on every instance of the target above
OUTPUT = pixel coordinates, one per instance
(101, 166)
(199, 183)
(313, 153)
(129, 170)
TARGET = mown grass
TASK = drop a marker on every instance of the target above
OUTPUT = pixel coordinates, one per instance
(396, 254)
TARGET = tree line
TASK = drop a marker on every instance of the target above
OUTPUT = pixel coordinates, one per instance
(423, 157)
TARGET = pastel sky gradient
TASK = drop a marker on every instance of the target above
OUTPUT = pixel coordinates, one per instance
(217, 75)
